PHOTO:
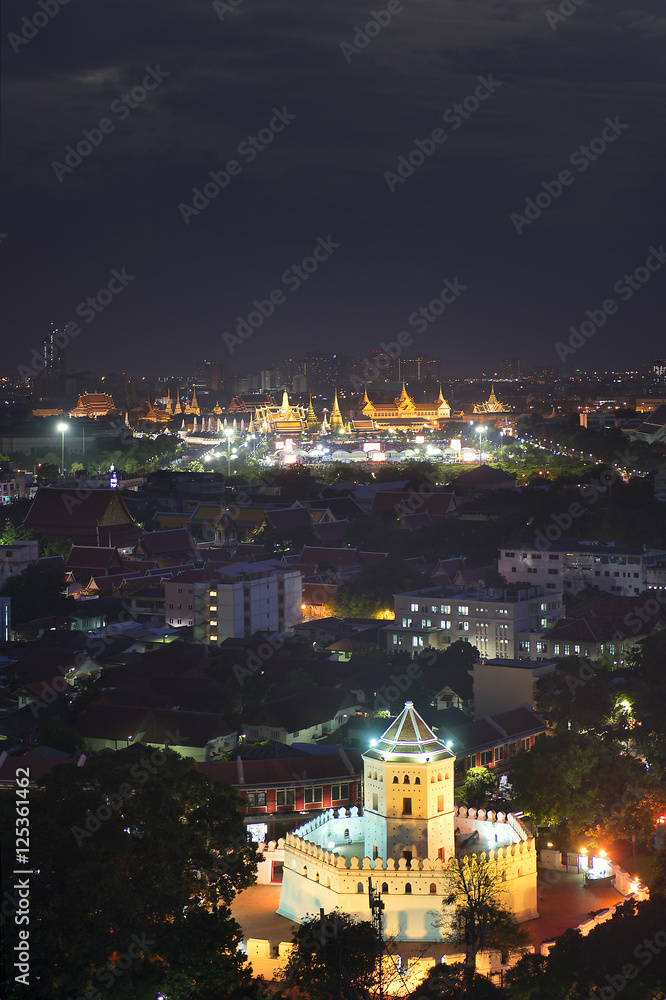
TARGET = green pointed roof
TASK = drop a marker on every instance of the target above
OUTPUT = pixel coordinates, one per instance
(409, 735)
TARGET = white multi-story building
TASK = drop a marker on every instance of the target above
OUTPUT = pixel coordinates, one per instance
(236, 601)
(574, 566)
(16, 556)
(489, 618)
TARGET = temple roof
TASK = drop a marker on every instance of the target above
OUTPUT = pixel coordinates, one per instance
(409, 735)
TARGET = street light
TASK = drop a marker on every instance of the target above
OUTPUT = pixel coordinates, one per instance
(62, 428)
(480, 431)
(228, 434)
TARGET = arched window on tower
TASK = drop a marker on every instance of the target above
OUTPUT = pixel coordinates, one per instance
(395, 780)
(385, 887)
(433, 888)
(439, 776)
(359, 887)
(417, 780)
(408, 886)
(406, 780)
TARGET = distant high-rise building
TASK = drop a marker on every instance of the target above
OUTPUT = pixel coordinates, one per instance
(210, 375)
(326, 369)
(271, 378)
(542, 373)
(419, 369)
(659, 368)
(510, 368)
(51, 352)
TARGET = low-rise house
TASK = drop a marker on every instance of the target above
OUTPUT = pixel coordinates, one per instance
(494, 741)
(302, 717)
(200, 735)
(601, 628)
(15, 557)
(502, 685)
(274, 789)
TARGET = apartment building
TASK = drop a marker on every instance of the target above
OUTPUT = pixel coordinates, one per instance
(15, 557)
(489, 618)
(236, 601)
(573, 566)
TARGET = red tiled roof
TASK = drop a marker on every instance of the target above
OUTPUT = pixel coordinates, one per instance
(286, 770)
(92, 557)
(171, 542)
(67, 513)
(336, 557)
(437, 505)
(484, 476)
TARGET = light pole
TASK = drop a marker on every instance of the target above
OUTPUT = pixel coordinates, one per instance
(480, 431)
(62, 428)
(229, 434)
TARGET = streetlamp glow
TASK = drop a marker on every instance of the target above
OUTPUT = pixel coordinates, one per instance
(62, 427)
(480, 431)
(228, 433)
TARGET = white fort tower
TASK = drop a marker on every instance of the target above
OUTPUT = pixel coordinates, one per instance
(404, 838)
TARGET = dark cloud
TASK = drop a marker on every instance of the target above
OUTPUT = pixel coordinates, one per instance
(324, 174)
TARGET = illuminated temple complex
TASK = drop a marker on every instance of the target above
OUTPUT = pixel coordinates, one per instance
(405, 836)
(284, 419)
(492, 404)
(402, 413)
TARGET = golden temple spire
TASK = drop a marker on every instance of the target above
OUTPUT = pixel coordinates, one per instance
(337, 424)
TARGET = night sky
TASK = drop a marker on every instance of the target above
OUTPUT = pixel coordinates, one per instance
(217, 73)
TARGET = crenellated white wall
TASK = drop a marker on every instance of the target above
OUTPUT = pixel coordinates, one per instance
(315, 877)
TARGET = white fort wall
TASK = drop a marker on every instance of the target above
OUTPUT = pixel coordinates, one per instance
(316, 877)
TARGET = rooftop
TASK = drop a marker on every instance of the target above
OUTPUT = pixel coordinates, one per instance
(406, 736)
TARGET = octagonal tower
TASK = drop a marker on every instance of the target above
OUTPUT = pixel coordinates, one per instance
(408, 779)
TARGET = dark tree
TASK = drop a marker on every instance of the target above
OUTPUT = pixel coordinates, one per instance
(333, 957)
(134, 854)
(38, 592)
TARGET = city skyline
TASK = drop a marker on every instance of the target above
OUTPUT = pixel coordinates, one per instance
(482, 180)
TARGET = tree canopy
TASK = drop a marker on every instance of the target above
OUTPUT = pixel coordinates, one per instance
(333, 957)
(38, 592)
(138, 856)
